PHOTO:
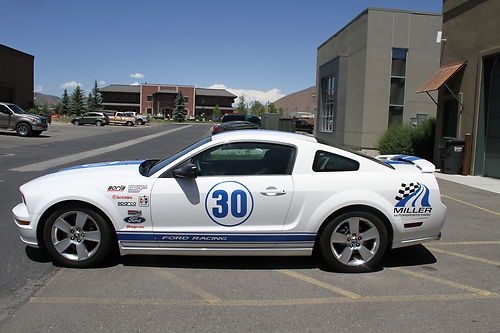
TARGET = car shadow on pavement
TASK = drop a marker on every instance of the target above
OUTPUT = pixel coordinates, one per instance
(416, 255)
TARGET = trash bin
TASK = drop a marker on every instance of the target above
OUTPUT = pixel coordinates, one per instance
(451, 155)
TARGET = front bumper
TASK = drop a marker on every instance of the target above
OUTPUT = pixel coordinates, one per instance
(27, 232)
(39, 127)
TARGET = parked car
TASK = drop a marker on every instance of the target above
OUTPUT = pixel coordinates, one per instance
(140, 119)
(303, 126)
(236, 193)
(91, 118)
(241, 117)
(232, 126)
(120, 118)
(15, 118)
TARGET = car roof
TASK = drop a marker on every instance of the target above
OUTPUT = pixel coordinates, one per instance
(262, 135)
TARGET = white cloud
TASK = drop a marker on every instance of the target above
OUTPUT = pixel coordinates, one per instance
(39, 89)
(137, 76)
(135, 83)
(101, 83)
(70, 84)
(252, 95)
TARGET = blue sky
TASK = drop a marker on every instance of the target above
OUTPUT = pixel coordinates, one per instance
(261, 48)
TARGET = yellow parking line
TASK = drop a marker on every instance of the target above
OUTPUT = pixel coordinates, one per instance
(443, 281)
(470, 204)
(468, 243)
(258, 302)
(205, 295)
(464, 256)
(319, 283)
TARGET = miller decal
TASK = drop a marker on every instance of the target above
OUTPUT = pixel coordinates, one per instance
(413, 201)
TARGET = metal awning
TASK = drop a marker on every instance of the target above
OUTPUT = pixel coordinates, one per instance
(440, 77)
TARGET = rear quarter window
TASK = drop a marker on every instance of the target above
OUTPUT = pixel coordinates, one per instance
(329, 162)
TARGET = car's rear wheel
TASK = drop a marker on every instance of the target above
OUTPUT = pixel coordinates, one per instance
(129, 123)
(354, 242)
(99, 123)
(76, 122)
(23, 129)
(77, 237)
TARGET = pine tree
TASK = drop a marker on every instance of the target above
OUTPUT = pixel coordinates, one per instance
(242, 107)
(271, 108)
(90, 102)
(65, 103)
(97, 97)
(179, 113)
(77, 105)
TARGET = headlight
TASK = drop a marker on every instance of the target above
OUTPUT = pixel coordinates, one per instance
(38, 120)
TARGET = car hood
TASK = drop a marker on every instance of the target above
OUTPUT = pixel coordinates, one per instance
(32, 116)
(86, 174)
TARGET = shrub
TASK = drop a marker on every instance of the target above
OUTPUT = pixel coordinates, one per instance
(418, 141)
(396, 140)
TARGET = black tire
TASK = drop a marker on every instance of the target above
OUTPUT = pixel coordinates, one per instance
(104, 247)
(99, 123)
(24, 129)
(36, 133)
(140, 122)
(129, 123)
(76, 122)
(356, 263)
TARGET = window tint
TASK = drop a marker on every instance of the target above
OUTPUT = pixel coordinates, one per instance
(244, 159)
(329, 162)
(4, 109)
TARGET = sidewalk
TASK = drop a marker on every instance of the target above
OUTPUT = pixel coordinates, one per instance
(480, 182)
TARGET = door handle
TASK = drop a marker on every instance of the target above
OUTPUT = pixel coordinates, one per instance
(272, 191)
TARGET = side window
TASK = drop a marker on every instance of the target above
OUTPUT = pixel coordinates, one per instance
(245, 159)
(4, 109)
(329, 162)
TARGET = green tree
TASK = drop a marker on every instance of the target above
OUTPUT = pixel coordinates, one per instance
(90, 103)
(216, 112)
(65, 103)
(96, 94)
(257, 108)
(77, 105)
(271, 108)
(242, 106)
(179, 112)
(58, 108)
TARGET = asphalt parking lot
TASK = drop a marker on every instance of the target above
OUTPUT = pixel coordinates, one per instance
(449, 285)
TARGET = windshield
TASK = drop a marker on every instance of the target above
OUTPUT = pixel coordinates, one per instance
(163, 163)
(16, 109)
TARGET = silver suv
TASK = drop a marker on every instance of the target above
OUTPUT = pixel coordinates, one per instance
(25, 124)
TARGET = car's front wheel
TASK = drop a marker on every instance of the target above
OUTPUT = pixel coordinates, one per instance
(76, 122)
(23, 129)
(77, 237)
(99, 123)
(354, 242)
(140, 122)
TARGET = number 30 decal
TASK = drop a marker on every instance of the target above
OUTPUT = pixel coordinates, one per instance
(229, 203)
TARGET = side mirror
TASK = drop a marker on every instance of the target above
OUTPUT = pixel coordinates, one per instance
(188, 170)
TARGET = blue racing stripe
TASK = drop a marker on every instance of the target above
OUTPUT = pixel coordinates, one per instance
(229, 238)
(103, 164)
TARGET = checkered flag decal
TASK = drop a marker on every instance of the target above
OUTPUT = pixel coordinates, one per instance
(406, 190)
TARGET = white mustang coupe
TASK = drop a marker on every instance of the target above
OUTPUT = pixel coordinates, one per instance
(252, 192)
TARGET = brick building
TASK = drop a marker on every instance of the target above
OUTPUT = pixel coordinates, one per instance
(156, 99)
(16, 77)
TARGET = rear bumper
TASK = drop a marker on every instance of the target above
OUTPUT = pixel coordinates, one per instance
(27, 232)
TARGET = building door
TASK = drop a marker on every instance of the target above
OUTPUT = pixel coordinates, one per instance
(492, 147)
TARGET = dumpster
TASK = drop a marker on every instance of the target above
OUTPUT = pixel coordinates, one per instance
(451, 155)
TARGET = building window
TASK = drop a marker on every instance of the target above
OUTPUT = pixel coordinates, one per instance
(149, 110)
(149, 98)
(327, 104)
(398, 80)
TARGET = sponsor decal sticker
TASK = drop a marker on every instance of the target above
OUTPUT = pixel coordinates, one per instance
(229, 203)
(136, 188)
(134, 219)
(134, 227)
(126, 197)
(413, 201)
(116, 188)
(134, 212)
(194, 238)
(126, 203)
(143, 201)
